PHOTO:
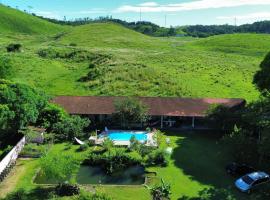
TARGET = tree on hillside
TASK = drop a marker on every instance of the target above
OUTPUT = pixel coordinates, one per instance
(262, 77)
(130, 110)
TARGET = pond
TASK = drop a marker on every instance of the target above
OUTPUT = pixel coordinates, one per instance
(95, 175)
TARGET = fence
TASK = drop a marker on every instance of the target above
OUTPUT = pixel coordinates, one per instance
(11, 157)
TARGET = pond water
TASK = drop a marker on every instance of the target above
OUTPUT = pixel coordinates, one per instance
(95, 175)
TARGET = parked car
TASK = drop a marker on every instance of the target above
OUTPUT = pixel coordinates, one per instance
(251, 181)
(239, 169)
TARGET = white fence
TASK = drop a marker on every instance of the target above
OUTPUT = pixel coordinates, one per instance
(12, 156)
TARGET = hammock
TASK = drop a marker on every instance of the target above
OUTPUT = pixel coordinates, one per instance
(79, 141)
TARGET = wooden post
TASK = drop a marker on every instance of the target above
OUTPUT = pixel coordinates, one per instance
(193, 122)
(161, 123)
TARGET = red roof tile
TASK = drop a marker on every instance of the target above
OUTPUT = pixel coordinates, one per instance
(158, 106)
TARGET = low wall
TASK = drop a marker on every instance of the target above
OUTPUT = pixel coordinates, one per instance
(12, 156)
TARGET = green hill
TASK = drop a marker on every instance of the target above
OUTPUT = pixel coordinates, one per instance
(249, 44)
(108, 59)
(12, 20)
(109, 35)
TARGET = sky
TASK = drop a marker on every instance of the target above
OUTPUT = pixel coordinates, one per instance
(161, 12)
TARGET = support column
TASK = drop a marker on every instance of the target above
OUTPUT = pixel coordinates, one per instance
(161, 122)
(193, 122)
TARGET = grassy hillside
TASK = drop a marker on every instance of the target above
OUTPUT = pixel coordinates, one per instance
(124, 62)
(15, 21)
(246, 44)
(109, 35)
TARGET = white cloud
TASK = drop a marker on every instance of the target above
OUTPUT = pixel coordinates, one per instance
(250, 16)
(149, 4)
(194, 5)
(48, 14)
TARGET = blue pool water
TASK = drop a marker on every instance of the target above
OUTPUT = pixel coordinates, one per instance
(127, 135)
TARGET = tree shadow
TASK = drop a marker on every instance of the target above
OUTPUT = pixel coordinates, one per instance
(211, 194)
(203, 157)
(37, 193)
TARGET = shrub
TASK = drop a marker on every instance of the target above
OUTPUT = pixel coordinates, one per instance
(157, 157)
(14, 48)
(34, 150)
(67, 190)
(107, 144)
(73, 44)
(4, 152)
(6, 69)
(83, 147)
(116, 159)
(160, 192)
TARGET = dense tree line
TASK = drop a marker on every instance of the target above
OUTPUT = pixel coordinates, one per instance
(210, 30)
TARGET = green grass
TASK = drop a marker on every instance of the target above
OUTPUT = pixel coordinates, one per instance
(197, 164)
(218, 66)
(14, 21)
(141, 65)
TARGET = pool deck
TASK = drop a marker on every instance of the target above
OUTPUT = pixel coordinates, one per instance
(151, 141)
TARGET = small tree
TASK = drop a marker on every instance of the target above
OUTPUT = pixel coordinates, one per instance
(262, 77)
(70, 127)
(107, 144)
(160, 192)
(130, 110)
(59, 166)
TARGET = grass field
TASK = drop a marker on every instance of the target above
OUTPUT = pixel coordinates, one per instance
(197, 164)
(219, 66)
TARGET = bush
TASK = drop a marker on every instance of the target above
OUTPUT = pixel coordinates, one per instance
(160, 192)
(157, 157)
(6, 69)
(83, 147)
(107, 144)
(116, 159)
(34, 150)
(4, 152)
(73, 44)
(67, 190)
(14, 48)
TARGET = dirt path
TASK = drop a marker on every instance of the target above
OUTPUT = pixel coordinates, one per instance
(10, 182)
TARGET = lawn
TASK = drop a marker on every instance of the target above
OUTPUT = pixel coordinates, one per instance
(197, 164)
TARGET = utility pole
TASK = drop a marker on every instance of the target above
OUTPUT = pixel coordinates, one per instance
(140, 14)
(235, 21)
(165, 21)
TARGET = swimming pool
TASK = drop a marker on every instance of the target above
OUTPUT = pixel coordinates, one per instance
(126, 135)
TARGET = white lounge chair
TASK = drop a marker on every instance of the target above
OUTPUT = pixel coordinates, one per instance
(106, 129)
(79, 141)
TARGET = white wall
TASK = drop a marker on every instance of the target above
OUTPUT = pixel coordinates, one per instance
(12, 155)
